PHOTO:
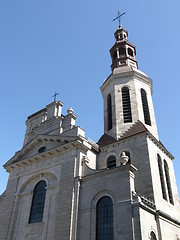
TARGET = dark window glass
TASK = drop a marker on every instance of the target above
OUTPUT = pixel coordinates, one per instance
(115, 55)
(145, 107)
(111, 161)
(130, 52)
(162, 178)
(41, 149)
(38, 201)
(126, 105)
(109, 112)
(166, 169)
(104, 219)
(122, 51)
(153, 236)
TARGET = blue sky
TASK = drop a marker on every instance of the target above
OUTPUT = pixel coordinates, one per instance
(63, 46)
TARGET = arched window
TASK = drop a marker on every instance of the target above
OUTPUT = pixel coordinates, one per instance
(122, 52)
(126, 105)
(104, 219)
(147, 118)
(162, 177)
(111, 161)
(109, 112)
(38, 201)
(166, 169)
(130, 52)
(153, 236)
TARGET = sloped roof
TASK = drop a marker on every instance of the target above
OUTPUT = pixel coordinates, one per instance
(136, 128)
(105, 140)
(20, 155)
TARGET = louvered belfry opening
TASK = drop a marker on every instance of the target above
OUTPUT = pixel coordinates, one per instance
(126, 105)
(162, 177)
(109, 112)
(111, 161)
(147, 118)
(168, 181)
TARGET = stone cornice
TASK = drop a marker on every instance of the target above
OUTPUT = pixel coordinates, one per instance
(128, 72)
(146, 133)
(104, 172)
(78, 143)
(162, 214)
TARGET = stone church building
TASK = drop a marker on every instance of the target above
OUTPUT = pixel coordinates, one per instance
(63, 186)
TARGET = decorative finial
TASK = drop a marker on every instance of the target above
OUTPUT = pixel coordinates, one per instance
(124, 158)
(119, 17)
(54, 96)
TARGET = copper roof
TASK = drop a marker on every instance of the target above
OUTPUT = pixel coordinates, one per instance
(136, 128)
(105, 140)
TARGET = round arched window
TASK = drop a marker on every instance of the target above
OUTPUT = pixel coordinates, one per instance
(153, 236)
(104, 219)
(130, 52)
(111, 161)
(38, 202)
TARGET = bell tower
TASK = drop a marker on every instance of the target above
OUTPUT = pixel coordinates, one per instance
(122, 53)
(127, 92)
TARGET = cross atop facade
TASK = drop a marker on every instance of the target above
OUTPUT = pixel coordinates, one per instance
(54, 96)
(119, 18)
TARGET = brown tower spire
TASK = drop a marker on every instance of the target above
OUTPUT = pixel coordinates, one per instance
(122, 52)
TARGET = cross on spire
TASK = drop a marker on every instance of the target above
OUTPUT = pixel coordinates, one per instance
(54, 96)
(119, 17)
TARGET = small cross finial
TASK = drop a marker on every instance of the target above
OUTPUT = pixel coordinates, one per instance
(54, 96)
(119, 17)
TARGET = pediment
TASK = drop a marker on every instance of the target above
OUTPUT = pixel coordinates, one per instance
(39, 145)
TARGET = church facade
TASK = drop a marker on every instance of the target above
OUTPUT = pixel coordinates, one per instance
(64, 186)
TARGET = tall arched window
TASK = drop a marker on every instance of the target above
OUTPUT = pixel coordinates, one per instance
(38, 201)
(104, 219)
(111, 161)
(109, 112)
(147, 118)
(162, 177)
(153, 236)
(126, 105)
(168, 181)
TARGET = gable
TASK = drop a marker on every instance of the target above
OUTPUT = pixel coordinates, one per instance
(40, 145)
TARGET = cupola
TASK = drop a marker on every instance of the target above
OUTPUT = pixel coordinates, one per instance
(123, 52)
